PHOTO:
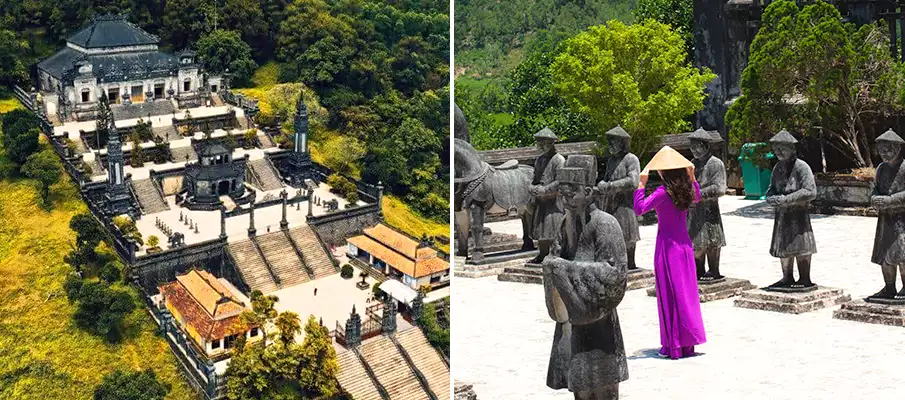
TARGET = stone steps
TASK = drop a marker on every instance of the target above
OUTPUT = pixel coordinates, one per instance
(522, 274)
(640, 279)
(251, 266)
(717, 291)
(353, 378)
(427, 360)
(391, 370)
(148, 196)
(265, 140)
(461, 269)
(872, 313)
(316, 257)
(791, 303)
(263, 170)
(283, 260)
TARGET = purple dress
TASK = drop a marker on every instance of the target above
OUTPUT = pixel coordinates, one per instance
(678, 304)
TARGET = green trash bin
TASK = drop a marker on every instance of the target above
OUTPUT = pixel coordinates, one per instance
(756, 179)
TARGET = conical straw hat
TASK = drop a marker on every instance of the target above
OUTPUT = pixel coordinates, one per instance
(667, 158)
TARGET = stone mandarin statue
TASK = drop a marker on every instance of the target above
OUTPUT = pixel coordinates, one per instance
(584, 282)
(705, 226)
(547, 206)
(617, 188)
(889, 199)
(791, 191)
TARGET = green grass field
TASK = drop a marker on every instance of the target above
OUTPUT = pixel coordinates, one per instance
(43, 355)
(400, 216)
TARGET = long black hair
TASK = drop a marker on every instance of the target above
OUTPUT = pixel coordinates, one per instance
(678, 186)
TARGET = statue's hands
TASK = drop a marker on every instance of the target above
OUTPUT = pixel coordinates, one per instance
(533, 190)
(603, 187)
(880, 201)
(775, 200)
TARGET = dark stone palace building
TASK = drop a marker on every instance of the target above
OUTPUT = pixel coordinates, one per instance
(115, 57)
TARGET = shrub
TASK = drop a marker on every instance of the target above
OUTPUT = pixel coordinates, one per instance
(139, 385)
(101, 309)
(346, 271)
(111, 272)
(153, 241)
(376, 290)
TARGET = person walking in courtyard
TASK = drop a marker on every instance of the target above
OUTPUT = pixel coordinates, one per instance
(678, 304)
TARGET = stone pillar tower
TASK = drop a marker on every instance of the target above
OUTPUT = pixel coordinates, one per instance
(353, 329)
(299, 167)
(283, 222)
(222, 222)
(388, 325)
(417, 306)
(118, 199)
(251, 219)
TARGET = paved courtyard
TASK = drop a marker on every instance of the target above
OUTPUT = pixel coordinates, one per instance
(502, 333)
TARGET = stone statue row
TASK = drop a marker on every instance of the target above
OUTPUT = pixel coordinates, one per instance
(791, 191)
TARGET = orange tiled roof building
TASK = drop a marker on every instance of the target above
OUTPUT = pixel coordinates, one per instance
(399, 256)
(207, 311)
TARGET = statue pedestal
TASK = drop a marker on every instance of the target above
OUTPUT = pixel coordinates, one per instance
(724, 289)
(792, 302)
(463, 269)
(533, 273)
(640, 278)
(872, 313)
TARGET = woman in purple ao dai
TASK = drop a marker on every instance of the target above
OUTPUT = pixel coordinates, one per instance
(678, 304)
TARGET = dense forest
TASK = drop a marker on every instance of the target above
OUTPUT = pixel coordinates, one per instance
(505, 50)
(378, 71)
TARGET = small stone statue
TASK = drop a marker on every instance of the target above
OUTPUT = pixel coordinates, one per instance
(889, 199)
(584, 280)
(705, 226)
(618, 186)
(547, 206)
(791, 191)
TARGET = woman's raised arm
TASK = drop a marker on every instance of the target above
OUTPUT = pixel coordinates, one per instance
(644, 205)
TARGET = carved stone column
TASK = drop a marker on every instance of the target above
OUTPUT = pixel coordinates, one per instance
(283, 222)
(251, 219)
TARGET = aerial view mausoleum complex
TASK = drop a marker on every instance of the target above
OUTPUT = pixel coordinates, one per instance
(222, 212)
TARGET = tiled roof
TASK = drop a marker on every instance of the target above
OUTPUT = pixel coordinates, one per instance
(117, 67)
(111, 31)
(205, 305)
(393, 239)
(422, 267)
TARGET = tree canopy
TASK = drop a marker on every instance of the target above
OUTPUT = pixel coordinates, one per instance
(788, 85)
(137, 385)
(636, 76)
(223, 50)
(20, 134)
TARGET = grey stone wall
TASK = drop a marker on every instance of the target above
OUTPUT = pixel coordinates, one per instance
(334, 228)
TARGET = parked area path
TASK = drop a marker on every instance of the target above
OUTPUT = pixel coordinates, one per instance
(502, 333)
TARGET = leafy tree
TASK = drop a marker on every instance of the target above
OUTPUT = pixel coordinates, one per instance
(13, 70)
(318, 360)
(636, 76)
(436, 335)
(88, 233)
(104, 118)
(678, 14)
(320, 44)
(111, 272)
(184, 21)
(44, 167)
(346, 271)
(248, 19)
(101, 309)
(262, 313)
(153, 241)
(20, 134)
(143, 130)
(787, 84)
(222, 50)
(137, 153)
(288, 325)
(342, 154)
(137, 385)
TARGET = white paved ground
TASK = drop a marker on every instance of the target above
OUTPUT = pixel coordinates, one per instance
(502, 335)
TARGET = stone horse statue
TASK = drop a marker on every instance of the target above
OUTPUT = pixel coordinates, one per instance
(479, 186)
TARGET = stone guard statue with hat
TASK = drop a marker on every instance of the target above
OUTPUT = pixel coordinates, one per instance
(547, 209)
(584, 281)
(792, 189)
(889, 198)
(617, 186)
(705, 226)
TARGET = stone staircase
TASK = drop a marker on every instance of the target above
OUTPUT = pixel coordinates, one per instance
(427, 360)
(381, 354)
(148, 196)
(265, 172)
(252, 267)
(316, 257)
(282, 258)
(178, 153)
(354, 379)
(265, 140)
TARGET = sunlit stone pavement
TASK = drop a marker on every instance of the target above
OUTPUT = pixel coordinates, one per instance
(501, 334)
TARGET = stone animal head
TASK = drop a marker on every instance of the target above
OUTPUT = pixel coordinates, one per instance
(461, 125)
(467, 161)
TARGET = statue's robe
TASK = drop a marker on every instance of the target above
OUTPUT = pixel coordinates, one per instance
(623, 174)
(792, 233)
(582, 296)
(889, 241)
(548, 208)
(705, 226)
